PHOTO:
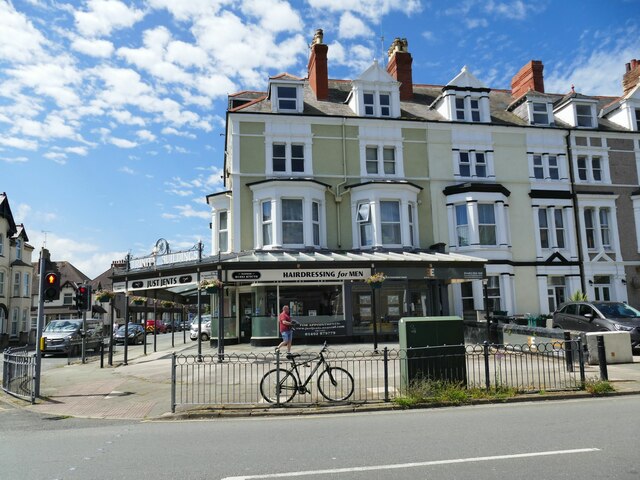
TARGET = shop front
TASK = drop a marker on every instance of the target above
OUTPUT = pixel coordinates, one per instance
(327, 292)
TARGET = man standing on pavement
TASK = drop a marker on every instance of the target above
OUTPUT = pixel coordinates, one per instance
(284, 320)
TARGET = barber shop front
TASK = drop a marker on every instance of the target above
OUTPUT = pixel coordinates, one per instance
(327, 292)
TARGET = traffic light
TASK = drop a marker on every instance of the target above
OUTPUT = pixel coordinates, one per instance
(51, 287)
(83, 297)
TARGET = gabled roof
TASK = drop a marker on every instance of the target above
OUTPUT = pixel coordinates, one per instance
(571, 96)
(375, 73)
(465, 79)
(69, 274)
(5, 212)
(634, 94)
(286, 76)
(20, 233)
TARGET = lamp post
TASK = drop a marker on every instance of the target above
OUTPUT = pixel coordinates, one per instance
(374, 287)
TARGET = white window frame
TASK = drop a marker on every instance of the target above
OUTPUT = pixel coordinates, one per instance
(17, 277)
(472, 156)
(590, 154)
(377, 107)
(277, 101)
(2, 282)
(391, 223)
(595, 203)
(602, 290)
(372, 195)
(293, 221)
(67, 299)
(546, 168)
(471, 200)
(220, 231)
(556, 293)
(1, 245)
(380, 149)
(15, 316)
(274, 193)
(18, 249)
(381, 138)
(289, 159)
(468, 98)
(533, 113)
(591, 116)
(26, 285)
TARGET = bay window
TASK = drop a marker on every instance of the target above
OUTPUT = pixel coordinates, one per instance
(289, 214)
(487, 224)
(223, 231)
(390, 222)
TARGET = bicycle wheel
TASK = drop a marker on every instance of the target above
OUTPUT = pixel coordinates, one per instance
(288, 386)
(335, 384)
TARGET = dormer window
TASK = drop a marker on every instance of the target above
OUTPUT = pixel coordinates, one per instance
(286, 94)
(375, 94)
(584, 115)
(539, 113)
(287, 98)
(467, 109)
(464, 99)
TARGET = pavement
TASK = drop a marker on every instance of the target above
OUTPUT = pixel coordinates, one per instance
(141, 389)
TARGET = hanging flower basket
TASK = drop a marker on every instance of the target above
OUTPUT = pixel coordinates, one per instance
(167, 304)
(376, 280)
(103, 296)
(211, 286)
(138, 300)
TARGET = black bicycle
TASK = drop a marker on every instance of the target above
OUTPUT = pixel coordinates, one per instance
(334, 383)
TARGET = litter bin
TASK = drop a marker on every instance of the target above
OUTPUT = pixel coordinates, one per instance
(434, 349)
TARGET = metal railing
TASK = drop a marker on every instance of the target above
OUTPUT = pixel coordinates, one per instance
(18, 373)
(206, 380)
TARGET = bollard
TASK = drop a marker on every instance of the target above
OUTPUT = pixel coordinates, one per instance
(602, 358)
(278, 377)
(568, 351)
(102, 355)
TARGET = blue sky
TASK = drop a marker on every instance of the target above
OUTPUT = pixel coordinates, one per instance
(112, 112)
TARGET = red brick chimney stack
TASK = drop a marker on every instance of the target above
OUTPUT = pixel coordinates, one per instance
(317, 67)
(528, 78)
(399, 67)
(631, 76)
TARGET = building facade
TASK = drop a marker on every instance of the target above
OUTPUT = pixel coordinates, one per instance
(544, 187)
(16, 275)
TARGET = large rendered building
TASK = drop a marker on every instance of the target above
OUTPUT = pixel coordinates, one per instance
(327, 181)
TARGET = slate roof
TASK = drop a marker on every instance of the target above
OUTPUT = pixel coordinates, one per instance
(419, 108)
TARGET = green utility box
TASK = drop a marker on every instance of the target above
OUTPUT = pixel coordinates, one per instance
(432, 348)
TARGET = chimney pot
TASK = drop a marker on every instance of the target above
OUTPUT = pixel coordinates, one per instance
(317, 67)
(399, 67)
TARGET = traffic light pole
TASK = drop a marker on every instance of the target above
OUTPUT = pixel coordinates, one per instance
(84, 336)
(39, 327)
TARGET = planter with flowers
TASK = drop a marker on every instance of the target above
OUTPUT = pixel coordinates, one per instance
(211, 285)
(376, 280)
(166, 304)
(104, 296)
(138, 300)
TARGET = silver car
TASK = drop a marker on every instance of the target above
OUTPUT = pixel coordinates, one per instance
(65, 336)
(205, 328)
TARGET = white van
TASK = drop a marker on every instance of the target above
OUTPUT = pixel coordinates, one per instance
(205, 328)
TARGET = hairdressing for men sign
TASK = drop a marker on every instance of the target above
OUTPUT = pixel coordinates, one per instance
(299, 275)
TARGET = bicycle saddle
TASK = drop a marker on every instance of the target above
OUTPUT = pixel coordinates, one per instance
(293, 355)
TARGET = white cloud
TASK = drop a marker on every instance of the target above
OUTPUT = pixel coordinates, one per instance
(122, 142)
(372, 9)
(127, 170)
(103, 16)
(58, 157)
(20, 41)
(476, 22)
(93, 47)
(187, 10)
(146, 135)
(273, 15)
(14, 159)
(20, 143)
(188, 211)
(514, 10)
(352, 27)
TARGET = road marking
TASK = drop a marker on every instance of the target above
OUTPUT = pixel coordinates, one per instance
(413, 464)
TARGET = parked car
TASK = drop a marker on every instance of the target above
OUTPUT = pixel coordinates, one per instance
(135, 331)
(173, 325)
(205, 328)
(599, 317)
(65, 336)
(159, 325)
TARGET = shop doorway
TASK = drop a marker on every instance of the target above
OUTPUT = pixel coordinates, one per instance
(246, 313)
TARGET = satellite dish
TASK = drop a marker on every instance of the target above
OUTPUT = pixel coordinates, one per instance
(162, 247)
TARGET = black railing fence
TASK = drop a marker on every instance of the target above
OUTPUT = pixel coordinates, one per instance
(208, 380)
(18, 373)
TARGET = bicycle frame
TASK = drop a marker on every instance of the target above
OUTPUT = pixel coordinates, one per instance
(302, 387)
